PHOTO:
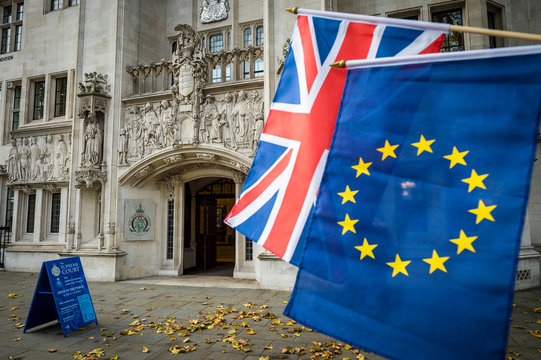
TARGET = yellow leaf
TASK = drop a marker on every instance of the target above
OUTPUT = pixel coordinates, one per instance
(52, 350)
(172, 338)
(18, 326)
(12, 296)
(135, 323)
(250, 332)
(536, 333)
(149, 309)
(114, 357)
(268, 347)
(518, 326)
(232, 331)
(125, 310)
(145, 349)
(91, 338)
(537, 310)
(13, 308)
(186, 340)
(264, 358)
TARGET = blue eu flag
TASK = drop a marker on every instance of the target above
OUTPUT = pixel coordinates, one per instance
(412, 251)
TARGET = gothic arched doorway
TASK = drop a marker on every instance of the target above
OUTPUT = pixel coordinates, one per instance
(212, 199)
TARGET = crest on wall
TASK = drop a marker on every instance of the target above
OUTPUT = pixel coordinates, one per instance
(213, 10)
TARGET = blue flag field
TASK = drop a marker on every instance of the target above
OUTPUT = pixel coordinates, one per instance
(412, 250)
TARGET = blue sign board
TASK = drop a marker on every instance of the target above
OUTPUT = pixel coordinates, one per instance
(61, 294)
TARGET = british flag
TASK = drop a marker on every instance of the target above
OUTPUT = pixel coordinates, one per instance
(281, 187)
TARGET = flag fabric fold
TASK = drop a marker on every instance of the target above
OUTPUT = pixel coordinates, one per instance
(280, 189)
(412, 249)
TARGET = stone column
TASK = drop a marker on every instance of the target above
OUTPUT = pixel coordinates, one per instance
(178, 249)
(16, 219)
(78, 210)
(240, 240)
(63, 214)
(38, 216)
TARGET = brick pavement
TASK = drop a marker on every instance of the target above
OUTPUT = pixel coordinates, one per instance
(154, 312)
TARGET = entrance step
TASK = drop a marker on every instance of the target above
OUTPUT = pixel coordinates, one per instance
(198, 281)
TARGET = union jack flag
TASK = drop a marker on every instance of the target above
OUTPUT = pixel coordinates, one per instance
(281, 187)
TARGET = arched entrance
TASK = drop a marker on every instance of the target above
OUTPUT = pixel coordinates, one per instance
(212, 199)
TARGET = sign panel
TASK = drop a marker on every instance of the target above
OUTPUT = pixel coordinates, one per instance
(61, 294)
(139, 219)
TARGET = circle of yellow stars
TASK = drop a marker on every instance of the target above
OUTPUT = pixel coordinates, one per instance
(463, 241)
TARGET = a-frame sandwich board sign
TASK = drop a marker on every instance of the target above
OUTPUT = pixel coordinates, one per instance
(61, 294)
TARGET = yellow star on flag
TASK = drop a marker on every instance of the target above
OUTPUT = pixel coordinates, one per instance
(347, 225)
(475, 180)
(423, 145)
(483, 212)
(366, 249)
(387, 150)
(399, 266)
(348, 195)
(464, 242)
(362, 167)
(436, 262)
(456, 157)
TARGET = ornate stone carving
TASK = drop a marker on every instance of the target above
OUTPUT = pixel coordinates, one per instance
(143, 172)
(88, 177)
(94, 84)
(213, 10)
(282, 58)
(173, 159)
(239, 177)
(206, 156)
(92, 152)
(38, 159)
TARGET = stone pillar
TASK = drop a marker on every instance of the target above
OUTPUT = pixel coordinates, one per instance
(38, 216)
(178, 250)
(528, 272)
(192, 222)
(240, 240)
(63, 214)
(78, 211)
(15, 221)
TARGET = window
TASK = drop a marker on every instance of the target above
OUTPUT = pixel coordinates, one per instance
(39, 97)
(246, 69)
(229, 41)
(30, 213)
(6, 37)
(6, 18)
(247, 37)
(259, 35)
(454, 41)
(9, 207)
(20, 12)
(249, 250)
(16, 107)
(258, 68)
(60, 96)
(18, 37)
(56, 5)
(55, 213)
(494, 15)
(170, 228)
(228, 72)
(217, 74)
(174, 45)
(73, 2)
(216, 43)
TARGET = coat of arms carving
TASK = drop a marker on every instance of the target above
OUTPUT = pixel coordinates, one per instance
(214, 10)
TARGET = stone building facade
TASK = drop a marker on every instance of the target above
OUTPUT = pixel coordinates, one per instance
(128, 126)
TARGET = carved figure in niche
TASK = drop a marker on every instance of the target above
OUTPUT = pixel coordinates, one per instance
(227, 115)
(210, 121)
(168, 123)
(62, 158)
(241, 116)
(93, 142)
(256, 108)
(46, 160)
(14, 164)
(150, 127)
(35, 158)
(25, 161)
(123, 147)
(135, 132)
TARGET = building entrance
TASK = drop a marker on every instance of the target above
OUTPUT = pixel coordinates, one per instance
(215, 241)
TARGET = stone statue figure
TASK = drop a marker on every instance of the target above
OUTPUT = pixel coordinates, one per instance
(25, 161)
(123, 147)
(241, 116)
(93, 142)
(134, 132)
(46, 160)
(167, 121)
(62, 159)
(227, 113)
(14, 163)
(210, 121)
(35, 159)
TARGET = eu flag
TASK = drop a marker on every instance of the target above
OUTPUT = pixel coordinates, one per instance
(413, 247)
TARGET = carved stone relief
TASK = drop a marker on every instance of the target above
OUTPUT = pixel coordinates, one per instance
(92, 152)
(233, 120)
(39, 158)
(213, 10)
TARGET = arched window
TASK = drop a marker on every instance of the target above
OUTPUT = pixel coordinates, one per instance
(174, 45)
(216, 43)
(229, 41)
(246, 69)
(217, 74)
(259, 35)
(228, 72)
(259, 68)
(247, 37)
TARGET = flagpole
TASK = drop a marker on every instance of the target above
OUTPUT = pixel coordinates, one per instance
(410, 23)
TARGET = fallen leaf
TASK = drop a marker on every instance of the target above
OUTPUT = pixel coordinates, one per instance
(145, 349)
(149, 309)
(518, 326)
(264, 358)
(268, 347)
(12, 296)
(250, 332)
(186, 340)
(18, 326)
(52, 350)
(125, 310)
(13, 308)
(536, 333)
(16, 339)
(537, 310)
(114, 357)
(143, 288)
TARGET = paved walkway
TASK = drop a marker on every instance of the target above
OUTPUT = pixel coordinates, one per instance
(154, 318)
